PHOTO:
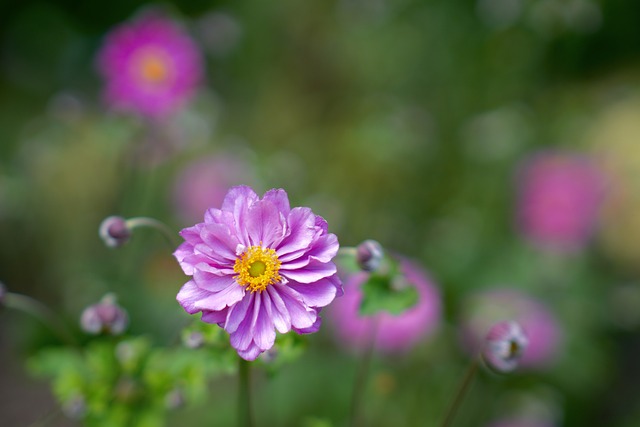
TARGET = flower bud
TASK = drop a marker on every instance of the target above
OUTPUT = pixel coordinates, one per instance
(105, 317)
(193, 339)
(369, 255)
(75, 408)
(504, 345)
(114, 231)
(175, 399)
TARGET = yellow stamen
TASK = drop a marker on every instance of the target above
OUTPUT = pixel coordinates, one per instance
(257, 268)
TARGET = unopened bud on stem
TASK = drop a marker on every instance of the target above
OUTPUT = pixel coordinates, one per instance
(104, 317)
(369, 255)
(115, 231)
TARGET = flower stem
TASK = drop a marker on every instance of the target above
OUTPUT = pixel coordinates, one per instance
(166, 232)
(244, 394)
(40, 311)
(364, 368)
(461, 392)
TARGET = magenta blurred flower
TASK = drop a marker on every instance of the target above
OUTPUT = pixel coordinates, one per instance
(204, 183)
(392, 333)
(559, 199)
(504, 345)
(150, 66)
(258, 266)
(483, 310)
(104, 317)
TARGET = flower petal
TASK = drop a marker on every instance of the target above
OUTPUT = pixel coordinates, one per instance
(302, 230)
(310, 273)
(265, 225)
(217, 317)
(251, 353)
(218, 300)
(237, 201)
(189, 296)
(279, 198)
(320, 293)
(301, 316)
(221, 241)
(213, 282)
(277, 310)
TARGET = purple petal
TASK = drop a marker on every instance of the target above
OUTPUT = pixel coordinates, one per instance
(311, 329)
(217, 317)
(222, 243)
(310, 273)
(219, 300)
(301, 316)
(320, 293)
(213, 282)
(181, 253)
(264, 334)
(279, 198)
(265, 225)
(251, 353)
(302, 230)
(277, 309)
(325, 248)
(189, 296)
(238, 312)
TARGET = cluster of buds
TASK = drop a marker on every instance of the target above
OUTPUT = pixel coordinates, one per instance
(104, 317)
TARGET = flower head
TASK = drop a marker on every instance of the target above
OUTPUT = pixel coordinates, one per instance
(559, 199)
(114, 231)
(104, 317)
(391, 333)
(258, 266)
(150, 66)
(504, 345)
(483, 310)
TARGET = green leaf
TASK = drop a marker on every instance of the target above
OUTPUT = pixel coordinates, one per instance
(382, 294)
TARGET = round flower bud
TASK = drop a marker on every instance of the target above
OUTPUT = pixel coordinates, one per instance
(194, 339)
(114, 231)
(504, 345)
(104, 317)
(175, 399)
(369, 255)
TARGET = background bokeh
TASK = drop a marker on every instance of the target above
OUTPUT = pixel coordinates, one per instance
(407, 121)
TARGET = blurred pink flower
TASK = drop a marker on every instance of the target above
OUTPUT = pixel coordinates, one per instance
(559, 199)
(150, 66)
(543, 331)
(204, 183)
(393, 333)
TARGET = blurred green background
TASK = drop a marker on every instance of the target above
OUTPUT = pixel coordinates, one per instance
(399, 120)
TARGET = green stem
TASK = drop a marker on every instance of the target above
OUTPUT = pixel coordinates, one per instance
(364, 368)
(166, 232)
(40, 311)
(460, 394)
(244, 394)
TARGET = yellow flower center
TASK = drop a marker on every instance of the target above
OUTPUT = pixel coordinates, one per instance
(257, 268)
(153, 66)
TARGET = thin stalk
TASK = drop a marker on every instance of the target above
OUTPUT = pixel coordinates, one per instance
(40, 311)
(245, 418)
(166, 232)
(364, 369)
(461, 393)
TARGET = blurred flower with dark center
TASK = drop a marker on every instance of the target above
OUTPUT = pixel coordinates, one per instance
(105, 317)
(482, 310)
(150, 65)
(392, 333)
(504, 346)
(559, 197)
(258, 266)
